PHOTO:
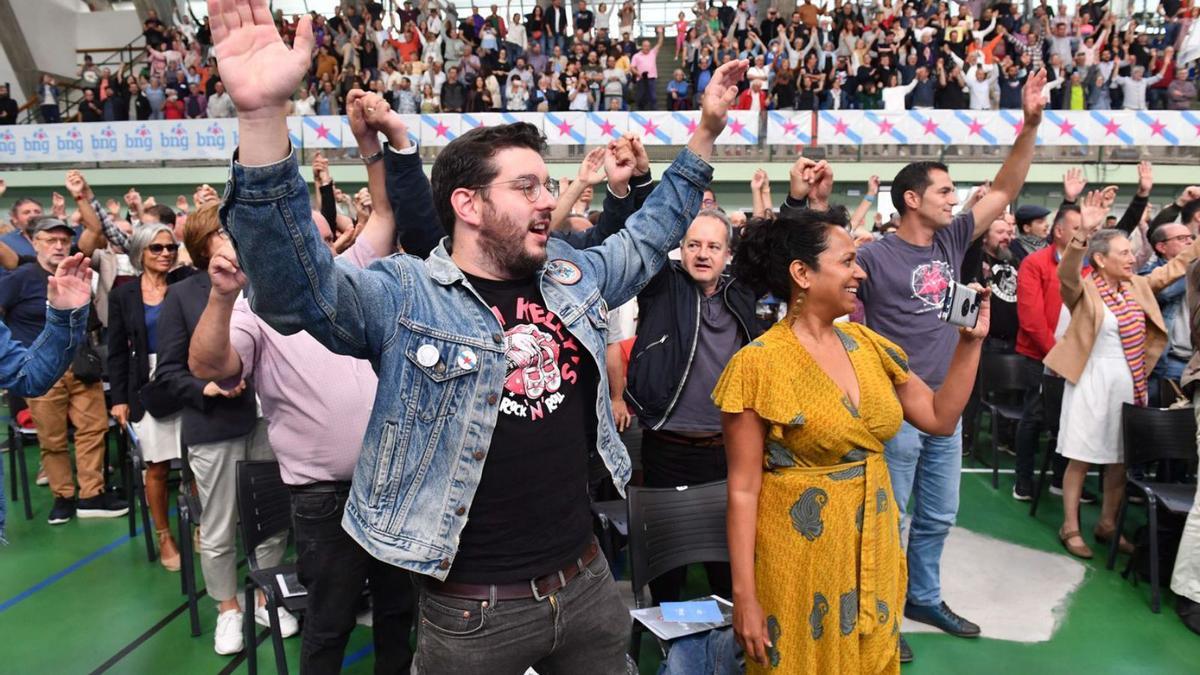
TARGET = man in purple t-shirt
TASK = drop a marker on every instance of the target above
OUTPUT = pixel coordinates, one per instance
(907, 276)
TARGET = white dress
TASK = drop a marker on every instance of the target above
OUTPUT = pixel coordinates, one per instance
(161, 438)
(1090, 426)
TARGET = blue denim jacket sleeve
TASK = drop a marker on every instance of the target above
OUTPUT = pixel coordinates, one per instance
(628, 260)
(30, 372)
(297, 285)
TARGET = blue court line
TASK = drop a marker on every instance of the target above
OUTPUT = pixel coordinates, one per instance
(357, 656)
(78, 564)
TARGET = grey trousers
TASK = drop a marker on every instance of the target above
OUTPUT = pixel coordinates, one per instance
(214, 465)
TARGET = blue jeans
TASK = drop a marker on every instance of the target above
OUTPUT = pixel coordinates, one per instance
(927, 468)
(713, 652)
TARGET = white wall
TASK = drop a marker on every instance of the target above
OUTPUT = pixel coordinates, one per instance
(98, 30)
(49, 29)
(8, 75)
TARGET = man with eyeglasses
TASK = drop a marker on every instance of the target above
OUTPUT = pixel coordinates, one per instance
(80, 402)
(1168, 241)
(491, 361)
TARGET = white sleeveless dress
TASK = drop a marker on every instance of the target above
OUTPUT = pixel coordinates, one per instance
(1090, 425)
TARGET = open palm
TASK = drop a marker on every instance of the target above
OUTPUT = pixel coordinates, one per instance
(259, 71)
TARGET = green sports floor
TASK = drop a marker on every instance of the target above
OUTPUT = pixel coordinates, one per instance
(82, 598)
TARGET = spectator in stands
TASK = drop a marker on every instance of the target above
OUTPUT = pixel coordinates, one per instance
(316, 458)
(453, 94)
(132, 359)
(694, 317)
(907, 275)
(807, 410)
(173, 108)
(1113, 342)
(89, 108)
(220, 426)
(645, 70)
(1181, 93)
(49, 97)
(404, 100)
(24, 213)
(1168, 241)
(9, 110)
(221, 106)
(1133, 88)
(157, 95)
(31, 372)
(77, 398)
(195, 105)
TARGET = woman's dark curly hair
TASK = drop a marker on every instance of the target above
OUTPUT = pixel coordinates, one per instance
(768, 247)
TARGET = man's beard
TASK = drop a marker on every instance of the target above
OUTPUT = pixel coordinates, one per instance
(502, 240)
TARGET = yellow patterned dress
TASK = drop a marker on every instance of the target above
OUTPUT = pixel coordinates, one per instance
(829, 570)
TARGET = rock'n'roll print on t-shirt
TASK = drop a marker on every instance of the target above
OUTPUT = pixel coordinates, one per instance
(542, 361)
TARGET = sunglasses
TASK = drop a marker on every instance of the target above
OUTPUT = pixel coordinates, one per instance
(157, 249)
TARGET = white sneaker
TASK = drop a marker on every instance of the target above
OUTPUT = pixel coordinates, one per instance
(288, 626)
(227, 639)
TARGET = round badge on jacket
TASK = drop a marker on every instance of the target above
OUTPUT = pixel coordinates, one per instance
(564, 272)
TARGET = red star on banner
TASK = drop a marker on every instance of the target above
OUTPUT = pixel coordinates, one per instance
(607, 128)
(692, 126)
(1065, 128)
(323, 132)
(1111, 128)
(736, 127)
(840, 127)
(441, 129)
(1018, 126)
(931, 127)
(975, 127)
(1156, 129)
(564, 128)
(885, 127)
(1197, 129)
(649, 129)
(788, 127)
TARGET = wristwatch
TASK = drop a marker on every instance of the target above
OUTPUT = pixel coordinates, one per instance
(371, 159)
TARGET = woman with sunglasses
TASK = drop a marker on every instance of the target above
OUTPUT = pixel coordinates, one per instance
(132, 359)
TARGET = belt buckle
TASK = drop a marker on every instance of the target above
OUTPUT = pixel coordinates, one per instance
(562, 580)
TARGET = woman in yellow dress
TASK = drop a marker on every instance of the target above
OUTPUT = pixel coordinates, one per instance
(814, 534)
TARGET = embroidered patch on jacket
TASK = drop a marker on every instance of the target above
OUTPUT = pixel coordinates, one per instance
(564, 272)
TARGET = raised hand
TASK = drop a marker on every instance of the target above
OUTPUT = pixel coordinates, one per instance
(718, 98)
(58, 205)
(227, 276)
(984, 322)
(181, 204)
(799, 176)
(1073, 184)
(758, 180)
(133, 200)
(260, 72)
(641, 160)
(71, 285)
(77, 186)
(320, 170)
(619, 163)
(203, 195)
(381, 118)
(1145, 172)
(873, 186)
(1093, 210)
(367, 138)
(593, 162)
(1033, 101)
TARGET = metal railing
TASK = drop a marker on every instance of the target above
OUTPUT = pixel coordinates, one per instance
(129, 55)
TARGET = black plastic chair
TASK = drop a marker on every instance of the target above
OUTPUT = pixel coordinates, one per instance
(18, 470)
(670, 528)
(1052, 394)
(1155, 435)
(613, 518)
(264, 510)
(1001, 380)
(138, 499)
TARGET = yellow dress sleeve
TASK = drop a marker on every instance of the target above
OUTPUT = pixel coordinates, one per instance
(759, 378)
(736, 389)
(891, 356)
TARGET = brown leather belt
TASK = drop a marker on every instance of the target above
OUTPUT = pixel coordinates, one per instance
(713, 441)
(538, 589)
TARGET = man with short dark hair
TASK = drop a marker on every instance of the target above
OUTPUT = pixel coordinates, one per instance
(694, 317)
(22, 215)
(908, 276)
(491, 360)
(80, 401)
(454, 93)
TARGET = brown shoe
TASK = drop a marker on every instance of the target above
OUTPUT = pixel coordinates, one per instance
(1105, 537)
(168, 552)
(1079, 550)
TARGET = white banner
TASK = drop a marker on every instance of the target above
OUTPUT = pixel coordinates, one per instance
(215, 139)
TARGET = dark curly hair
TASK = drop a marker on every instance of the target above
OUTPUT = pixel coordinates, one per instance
(768, 247)
(466, 162)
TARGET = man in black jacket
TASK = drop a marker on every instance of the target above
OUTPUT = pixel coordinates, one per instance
(8, 107)
(693, 319)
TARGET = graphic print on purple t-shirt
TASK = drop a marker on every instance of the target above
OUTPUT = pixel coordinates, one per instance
(929, 283)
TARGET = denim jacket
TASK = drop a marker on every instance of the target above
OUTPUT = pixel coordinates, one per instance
(30, 372)
(1170, 301)
(431, 426)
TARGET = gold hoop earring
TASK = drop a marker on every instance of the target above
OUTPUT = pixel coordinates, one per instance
(794, 308)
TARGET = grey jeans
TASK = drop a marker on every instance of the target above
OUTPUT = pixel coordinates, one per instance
(215, 467)
(582, 629)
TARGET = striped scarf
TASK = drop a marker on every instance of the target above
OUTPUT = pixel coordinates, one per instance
(1131, 325)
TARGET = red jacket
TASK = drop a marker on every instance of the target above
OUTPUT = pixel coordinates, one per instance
(743, 100)
(1039, 303)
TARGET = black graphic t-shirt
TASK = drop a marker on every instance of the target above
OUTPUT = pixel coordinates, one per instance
(1000, 276)
(530, 515)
